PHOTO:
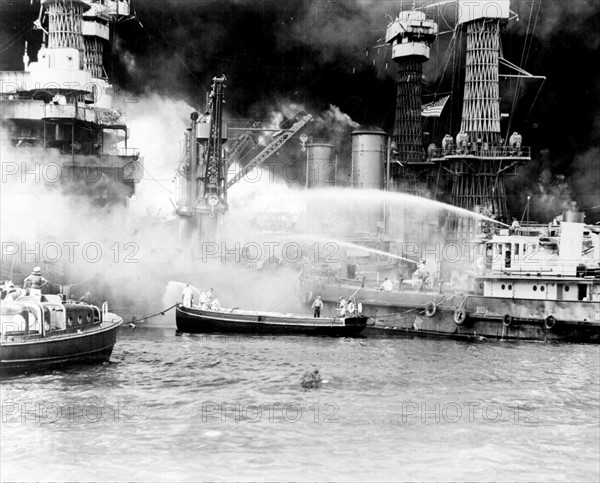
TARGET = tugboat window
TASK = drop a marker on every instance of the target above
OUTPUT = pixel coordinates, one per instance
(567, 288)
(510, 287)
(503, 286)
(581, 292)
(542, 288)
(535, 288)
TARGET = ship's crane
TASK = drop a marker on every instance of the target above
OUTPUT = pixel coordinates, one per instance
(214, 193)
(239, 145)
(203, 196)
(269, 150)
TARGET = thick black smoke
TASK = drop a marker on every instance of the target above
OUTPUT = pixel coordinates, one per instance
(322, 52)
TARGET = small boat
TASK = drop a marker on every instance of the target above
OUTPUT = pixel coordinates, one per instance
(40, 331)
(197, 321)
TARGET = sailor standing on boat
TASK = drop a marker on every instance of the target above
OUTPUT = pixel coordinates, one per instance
(351, 306)
(187, 297)
(342, 307)
(35, 282)
(317, 304)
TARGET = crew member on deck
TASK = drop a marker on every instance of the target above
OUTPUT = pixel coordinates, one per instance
(317, 305)
(351, 306)
(187, 297)
(387, 285)
(35, 282)
(342, 307)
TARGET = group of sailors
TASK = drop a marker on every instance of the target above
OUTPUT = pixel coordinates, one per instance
(420, 278)
(206, 300)
(349, 308)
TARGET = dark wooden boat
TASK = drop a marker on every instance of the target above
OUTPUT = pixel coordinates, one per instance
(196, 321)
(41, 331)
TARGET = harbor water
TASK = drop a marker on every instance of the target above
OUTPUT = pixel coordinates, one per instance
(172, 407)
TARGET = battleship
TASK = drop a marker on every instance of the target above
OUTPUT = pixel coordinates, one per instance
(62, 106)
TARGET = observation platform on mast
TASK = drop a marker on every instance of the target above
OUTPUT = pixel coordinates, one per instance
(497, 153)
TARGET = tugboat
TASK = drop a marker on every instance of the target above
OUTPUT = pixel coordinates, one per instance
(43, 331)
(538, 283)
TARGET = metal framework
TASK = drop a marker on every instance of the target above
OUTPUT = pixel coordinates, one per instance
(410, 35)
(215, 174)
(481, 102)
(480, 160)
(241, 143)
(94, 49)
(408, 124)
(270, 149)
(64, 25)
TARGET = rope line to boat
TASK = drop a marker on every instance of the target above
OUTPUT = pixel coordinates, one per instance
(135, 320)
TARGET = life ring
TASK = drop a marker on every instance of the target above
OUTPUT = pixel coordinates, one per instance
(307, 297)
(507, 320)
(430, 309)
(550, 322)
(460, 315)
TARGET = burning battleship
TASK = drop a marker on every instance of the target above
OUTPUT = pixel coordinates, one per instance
(76, 123)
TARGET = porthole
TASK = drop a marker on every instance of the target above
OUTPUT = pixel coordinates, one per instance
(567, 288)
(481, 285)
(542, 288)
(509, 287)
(535, 288)
(69, 321)
(503, 287)
(79, 319)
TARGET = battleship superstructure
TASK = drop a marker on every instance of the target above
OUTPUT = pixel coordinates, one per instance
(62, 106)
(478, 158)
(410, 35)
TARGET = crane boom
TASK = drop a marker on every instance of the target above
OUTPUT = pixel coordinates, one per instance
(240, 144)
(270, 149)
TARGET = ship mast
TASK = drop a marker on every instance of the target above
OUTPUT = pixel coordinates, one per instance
(478, 159)
(410, 35)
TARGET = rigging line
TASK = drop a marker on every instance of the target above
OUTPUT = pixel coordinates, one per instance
(173, 50)
(18, 36)
(534, 100)
(158, 182)
(442, 67)
(518, 86)
(532, 32)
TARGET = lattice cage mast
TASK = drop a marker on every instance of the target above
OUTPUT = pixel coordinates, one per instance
(410, 35)
(82, 25)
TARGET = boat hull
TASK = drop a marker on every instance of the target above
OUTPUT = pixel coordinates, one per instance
(89, 346)
(198, 321)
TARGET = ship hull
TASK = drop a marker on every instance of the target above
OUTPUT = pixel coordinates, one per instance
(199, 321)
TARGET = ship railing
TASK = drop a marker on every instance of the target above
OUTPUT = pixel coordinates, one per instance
(481, 150)
(128, 152)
